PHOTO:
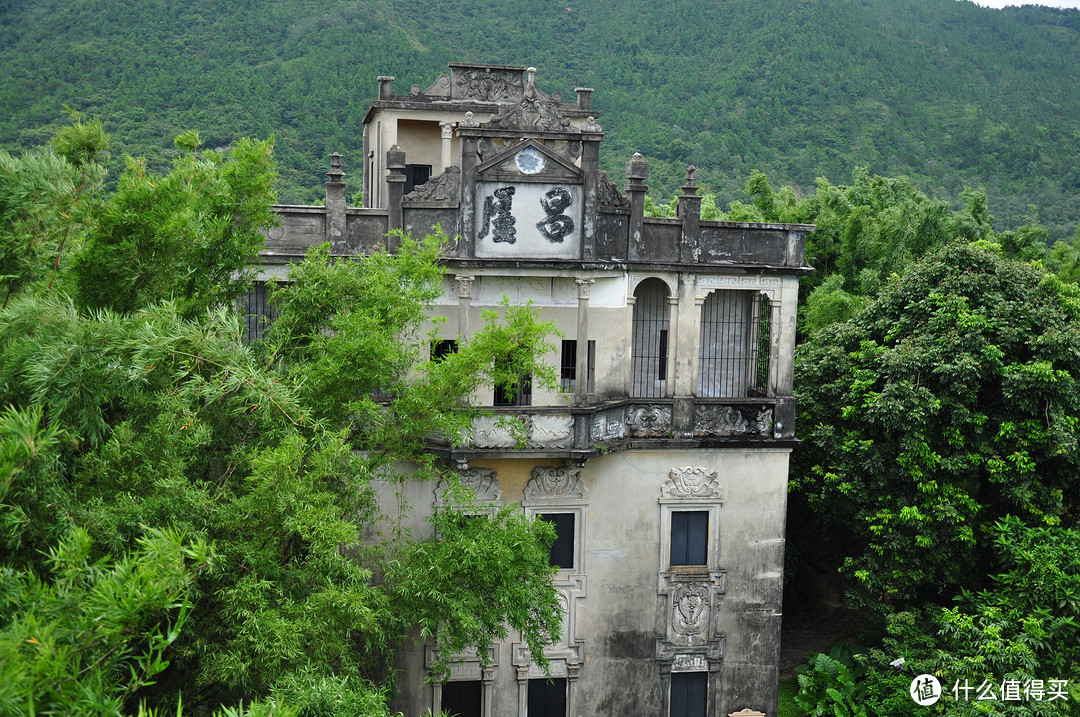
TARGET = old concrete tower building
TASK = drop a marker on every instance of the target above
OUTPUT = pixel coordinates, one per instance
(663, 461)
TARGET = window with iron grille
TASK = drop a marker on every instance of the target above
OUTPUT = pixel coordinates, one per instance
(259, 313)
(649, 351)
(416, 175)
(568, 365)
(735, 342)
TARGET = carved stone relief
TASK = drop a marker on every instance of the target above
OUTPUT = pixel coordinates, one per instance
(608, 193)
(549, 431)
(608, 426)
(488, 85)
(741, 282)
(690, 662)
(440, 87)
(487, 433)
(446, 187)
(731, 420)
(649, 421)
(534, 111)
(690, 613)
(554, 482)
(691, 482)
(483, 481)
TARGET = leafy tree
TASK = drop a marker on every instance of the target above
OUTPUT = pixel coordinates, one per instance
(45, 197)
(188, 236)
(159, 418)
(1023, 628)
(948, 403)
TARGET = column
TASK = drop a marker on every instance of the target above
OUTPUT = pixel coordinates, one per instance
(447, 144)
(690, 213)
(686, 342)
(468, 185)
(637, 171)
(464, 292)
(395, 184)
(581, 367)
(335, 207)
(590, 168)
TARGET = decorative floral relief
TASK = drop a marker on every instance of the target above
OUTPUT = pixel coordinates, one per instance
(731, 420)
(489, 85)
(692, 482)
(690, 614)
(483, 482)
(534, 111)
(548, 482)
(647, 421)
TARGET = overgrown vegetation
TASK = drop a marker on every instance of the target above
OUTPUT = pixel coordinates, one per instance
(939, 411)
(183, 514)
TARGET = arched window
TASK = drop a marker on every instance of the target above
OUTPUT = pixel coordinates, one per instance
(735, 336)
(649, 351)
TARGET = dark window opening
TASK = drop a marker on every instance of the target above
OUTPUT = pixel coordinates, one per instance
(462, 699)
(547, 698)
(514, 395)
(561, 553)
(442, 348)
(590, 360)
(568, 365)
(661, 360)
(689, 694)
(259, 313)
(521, 395)
(689, 537)
(416, 175)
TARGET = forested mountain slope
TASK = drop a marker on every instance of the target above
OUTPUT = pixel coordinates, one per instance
(946, 92)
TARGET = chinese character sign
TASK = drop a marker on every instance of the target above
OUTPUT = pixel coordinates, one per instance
(528, 220)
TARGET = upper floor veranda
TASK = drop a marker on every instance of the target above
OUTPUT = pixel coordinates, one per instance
(675, 329)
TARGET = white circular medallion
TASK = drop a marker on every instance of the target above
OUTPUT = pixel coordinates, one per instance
(529, 161)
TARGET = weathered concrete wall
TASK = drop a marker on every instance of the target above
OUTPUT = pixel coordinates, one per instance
(618, 610)
(366, 230)
(421, 221)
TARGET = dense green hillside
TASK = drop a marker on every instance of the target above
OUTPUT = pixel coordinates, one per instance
(946, 92)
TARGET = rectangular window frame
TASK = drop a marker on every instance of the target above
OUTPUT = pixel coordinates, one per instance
(568, 365)
(689, 538)
(545, 695)
(566, 543)
(441, 348)
(668, 506)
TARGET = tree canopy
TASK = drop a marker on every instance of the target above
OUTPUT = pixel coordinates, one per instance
(183, 513)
